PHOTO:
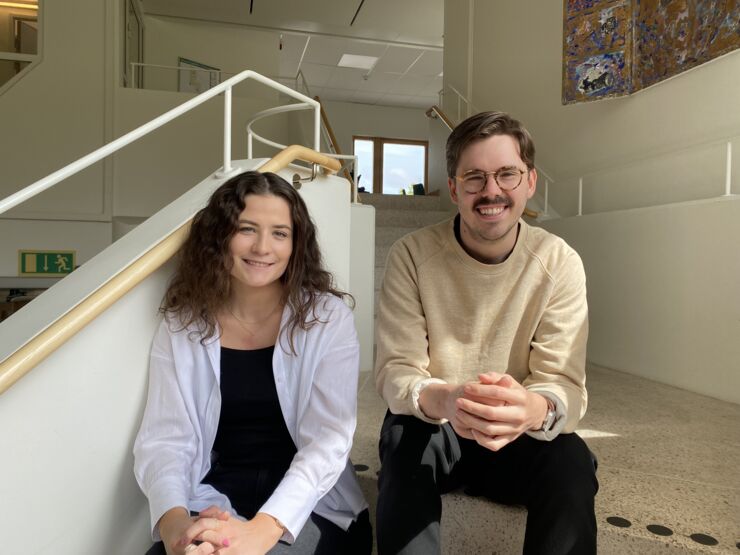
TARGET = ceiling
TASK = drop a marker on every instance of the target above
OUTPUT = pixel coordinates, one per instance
(405, 36)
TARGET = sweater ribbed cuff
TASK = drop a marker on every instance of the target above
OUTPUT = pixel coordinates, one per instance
(559, 423)
(416, 409)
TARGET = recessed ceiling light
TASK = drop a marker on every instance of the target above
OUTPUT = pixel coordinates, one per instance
(357, 62)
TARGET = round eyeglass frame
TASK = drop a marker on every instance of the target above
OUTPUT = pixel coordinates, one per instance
(494, 174)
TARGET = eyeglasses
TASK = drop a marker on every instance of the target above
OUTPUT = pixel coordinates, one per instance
(474, 181)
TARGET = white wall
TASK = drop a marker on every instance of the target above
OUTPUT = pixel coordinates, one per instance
(55, 113)
(86, 238)
(230, 48)
(663, 292)
(160, 167)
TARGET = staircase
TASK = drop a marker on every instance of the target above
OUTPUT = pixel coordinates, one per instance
(396, 216)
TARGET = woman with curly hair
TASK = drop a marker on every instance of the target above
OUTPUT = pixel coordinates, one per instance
(244, 445)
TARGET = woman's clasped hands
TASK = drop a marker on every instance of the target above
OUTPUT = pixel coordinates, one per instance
(217, 532)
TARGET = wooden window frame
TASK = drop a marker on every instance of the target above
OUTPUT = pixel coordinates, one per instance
(378, 143)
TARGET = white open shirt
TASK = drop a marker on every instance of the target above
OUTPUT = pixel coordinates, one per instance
(317, 390)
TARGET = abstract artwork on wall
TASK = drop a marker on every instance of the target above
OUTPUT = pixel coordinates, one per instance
(673, 36)
(615, 47)
(597, 49)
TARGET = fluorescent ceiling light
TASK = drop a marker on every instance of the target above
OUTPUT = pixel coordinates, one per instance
(19, 5)
(358, 62)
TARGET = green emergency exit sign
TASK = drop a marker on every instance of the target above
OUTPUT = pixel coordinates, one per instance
(45, 263)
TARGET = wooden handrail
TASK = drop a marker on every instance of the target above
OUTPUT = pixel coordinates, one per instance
(332, 136)
(298, 152)
(41, 346)
(436, 112)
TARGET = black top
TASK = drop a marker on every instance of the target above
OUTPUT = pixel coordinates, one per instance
(251, 430)
(253, 448)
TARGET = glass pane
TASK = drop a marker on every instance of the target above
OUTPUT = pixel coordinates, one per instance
(403, 167)
(364, 171)
(9, 69)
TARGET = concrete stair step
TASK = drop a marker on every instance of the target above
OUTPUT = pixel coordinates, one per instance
(386, 236)
(394, 217)
(381, 253)
(405, 202)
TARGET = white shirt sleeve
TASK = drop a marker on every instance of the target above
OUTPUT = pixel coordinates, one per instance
(324, 428)
(164, 449)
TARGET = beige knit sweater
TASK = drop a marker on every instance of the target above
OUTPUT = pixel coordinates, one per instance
(443, 314)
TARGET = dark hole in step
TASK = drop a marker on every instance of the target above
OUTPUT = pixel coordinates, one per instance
(704, 539)
(361, 467)
(659, 530)
(618, 521)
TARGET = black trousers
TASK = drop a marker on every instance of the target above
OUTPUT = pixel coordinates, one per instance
(555, 481)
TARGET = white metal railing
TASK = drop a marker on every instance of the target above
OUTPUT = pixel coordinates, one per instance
(251, 136)
(470, 109)
(727, 141)
(300, 84)
(226, 170)
(461, 99)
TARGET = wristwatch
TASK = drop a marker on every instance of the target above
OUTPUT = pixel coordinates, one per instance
(549, 421)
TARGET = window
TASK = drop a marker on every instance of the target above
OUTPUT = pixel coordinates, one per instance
(19, 37)
(392, 166)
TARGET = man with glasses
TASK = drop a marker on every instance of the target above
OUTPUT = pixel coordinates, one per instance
(482, 328)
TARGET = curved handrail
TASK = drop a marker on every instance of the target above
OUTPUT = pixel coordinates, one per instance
(251, 135)
(436, 112)
(55, 335)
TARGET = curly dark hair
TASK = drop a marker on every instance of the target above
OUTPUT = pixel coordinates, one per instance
(201, 285)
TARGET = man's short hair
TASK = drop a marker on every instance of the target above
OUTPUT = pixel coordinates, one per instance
(481, 126)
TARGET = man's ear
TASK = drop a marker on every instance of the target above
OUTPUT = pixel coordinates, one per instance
(531, 183)
(453, 189)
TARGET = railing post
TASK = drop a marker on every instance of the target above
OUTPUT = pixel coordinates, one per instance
(249, 144)
(317, 128)
(728, 170)
(580, 196)
(227, 170)
(355, 192)
(547, 190)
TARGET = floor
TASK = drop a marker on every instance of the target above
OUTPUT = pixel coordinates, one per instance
(669, 472)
